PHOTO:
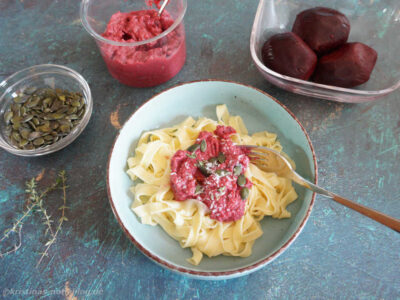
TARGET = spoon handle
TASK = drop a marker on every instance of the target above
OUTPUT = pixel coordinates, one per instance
(382, 218)
(369, 212)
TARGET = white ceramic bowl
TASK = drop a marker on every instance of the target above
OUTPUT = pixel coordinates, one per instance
(260, 112)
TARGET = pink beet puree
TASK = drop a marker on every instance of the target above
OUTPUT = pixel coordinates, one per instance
(210, 176)
(149, 64)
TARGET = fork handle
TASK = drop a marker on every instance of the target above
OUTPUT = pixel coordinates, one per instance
(384, 219)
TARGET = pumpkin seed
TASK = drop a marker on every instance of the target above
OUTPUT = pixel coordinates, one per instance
(76, 103)
(72, 117)
(72, 110)
(244, 193)
(65, 128)
(62, 109)
(221, 158)
(30, 91)
(8, 130)
(34, 101)
(23, 143)
(237, 170)
(26, 118)
(56, 105)
(213, 160)
(56, 116)
(16, 136)
(36, 121)
(47, 102)
(33, 126)
(18, 99)
(24, 133)
(38, 142)
(81, 112)
(205, 171)
(34, 135)
(29, 147)
(40, 117)
(16, 126)
(221, 172)
(8, 116)
(44, 128)
(48, 137)
(22, 111)
(241, 181)
(54, 125)
(15, 108)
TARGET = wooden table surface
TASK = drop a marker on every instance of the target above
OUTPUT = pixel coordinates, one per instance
(340, 254)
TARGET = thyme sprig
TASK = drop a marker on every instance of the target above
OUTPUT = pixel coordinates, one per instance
(36, 203)
(61, 180)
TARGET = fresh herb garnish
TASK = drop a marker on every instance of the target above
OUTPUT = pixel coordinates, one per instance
(203, 146)
(192, 155)
(193, 148)
(36, 204)
(199, 189)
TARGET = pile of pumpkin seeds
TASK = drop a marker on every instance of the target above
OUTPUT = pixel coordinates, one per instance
(40, 117)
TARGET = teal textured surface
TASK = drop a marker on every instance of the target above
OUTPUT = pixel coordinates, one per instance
(339, 255)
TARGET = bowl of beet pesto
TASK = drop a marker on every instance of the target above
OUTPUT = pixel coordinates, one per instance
(338, 51)
(140, 47)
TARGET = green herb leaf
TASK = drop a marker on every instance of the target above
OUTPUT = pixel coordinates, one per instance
(191, 155)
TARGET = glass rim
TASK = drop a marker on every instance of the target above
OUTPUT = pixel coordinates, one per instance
(304, 83)
(84, 20)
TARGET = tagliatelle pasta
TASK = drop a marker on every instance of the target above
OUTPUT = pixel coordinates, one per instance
(188, 221)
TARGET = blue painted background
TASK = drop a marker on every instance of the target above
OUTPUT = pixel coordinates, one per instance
(339, 255)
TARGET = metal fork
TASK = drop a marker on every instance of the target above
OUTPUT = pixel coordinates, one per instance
(272, 161)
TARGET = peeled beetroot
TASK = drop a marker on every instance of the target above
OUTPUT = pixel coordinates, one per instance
(348, 66)
(323, 29)
(288, 55)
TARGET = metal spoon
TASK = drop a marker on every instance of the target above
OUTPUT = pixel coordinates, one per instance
(272, 161)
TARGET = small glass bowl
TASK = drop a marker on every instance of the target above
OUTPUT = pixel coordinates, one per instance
(144, 63)
(43, 76)
(375, 23)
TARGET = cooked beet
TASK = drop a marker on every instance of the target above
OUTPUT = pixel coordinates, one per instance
(323, 29)
(288, 55)
(348, 66)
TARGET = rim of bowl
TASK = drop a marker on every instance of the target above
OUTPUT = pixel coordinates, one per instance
(75, 132)
(84, 20)
(311, 84)
(204, 274)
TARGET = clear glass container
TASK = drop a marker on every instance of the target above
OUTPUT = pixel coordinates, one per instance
(374, 23)
(43, 76)
(144, 63)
